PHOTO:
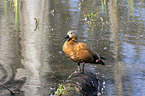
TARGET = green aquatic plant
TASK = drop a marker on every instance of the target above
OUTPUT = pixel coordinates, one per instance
(66, 89)
(15, 2)
(93, 20)
(15, 5)
(102, 21)
(104, 6)
(16, 13)
(90, 17)
(5, 8)
(131, 6)
(60, 90)
(36, 23)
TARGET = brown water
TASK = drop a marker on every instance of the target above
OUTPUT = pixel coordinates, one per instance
(32, 62)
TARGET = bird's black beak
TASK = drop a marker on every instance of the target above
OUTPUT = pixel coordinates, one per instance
(67, 36)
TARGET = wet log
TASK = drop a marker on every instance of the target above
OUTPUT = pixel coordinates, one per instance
(79, 84)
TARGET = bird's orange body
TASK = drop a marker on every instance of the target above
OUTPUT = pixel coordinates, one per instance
(80, 52)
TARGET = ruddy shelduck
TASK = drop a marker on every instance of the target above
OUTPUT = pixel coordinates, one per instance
(80, 52)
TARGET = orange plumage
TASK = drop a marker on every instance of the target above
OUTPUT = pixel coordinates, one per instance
(80, 52)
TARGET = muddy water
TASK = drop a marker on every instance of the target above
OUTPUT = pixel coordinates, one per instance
(32, 62)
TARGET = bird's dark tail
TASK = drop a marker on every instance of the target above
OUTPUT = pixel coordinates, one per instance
(98, 60)
(102, 58)
(102, 63)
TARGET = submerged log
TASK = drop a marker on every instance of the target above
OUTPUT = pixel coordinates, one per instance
(79, 84)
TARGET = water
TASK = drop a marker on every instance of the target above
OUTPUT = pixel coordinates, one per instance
(32, 62)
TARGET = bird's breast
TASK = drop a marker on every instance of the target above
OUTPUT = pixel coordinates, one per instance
(77, 53)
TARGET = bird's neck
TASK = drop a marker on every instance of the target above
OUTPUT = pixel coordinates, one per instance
(72, 40)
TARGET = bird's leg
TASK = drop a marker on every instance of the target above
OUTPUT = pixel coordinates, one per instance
(82, 67)
(79, 67)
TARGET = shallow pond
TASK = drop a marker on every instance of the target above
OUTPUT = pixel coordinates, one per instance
(32, 62)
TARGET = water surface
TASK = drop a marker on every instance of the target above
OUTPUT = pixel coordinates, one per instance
(32, 62)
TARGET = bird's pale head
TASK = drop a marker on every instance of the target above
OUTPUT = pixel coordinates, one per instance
(71, 35)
